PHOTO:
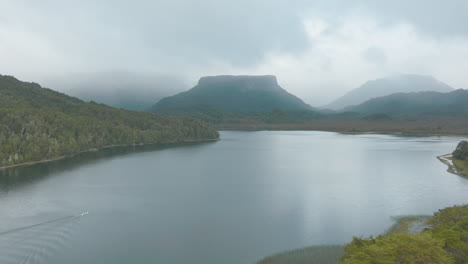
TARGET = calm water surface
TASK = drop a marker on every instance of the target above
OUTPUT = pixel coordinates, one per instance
(233, 201)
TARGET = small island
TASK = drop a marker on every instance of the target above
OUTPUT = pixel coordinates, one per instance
(457, 161)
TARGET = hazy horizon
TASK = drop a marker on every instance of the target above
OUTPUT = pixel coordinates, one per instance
(318, 50)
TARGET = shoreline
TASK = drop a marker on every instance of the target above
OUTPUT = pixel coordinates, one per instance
(392, 133)
(331, 254)
(447, 159)
(169, 143)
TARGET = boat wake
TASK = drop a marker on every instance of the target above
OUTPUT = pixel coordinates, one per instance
(35, 244)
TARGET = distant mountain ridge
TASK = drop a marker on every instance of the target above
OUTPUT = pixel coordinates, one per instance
(234, 94)
(453, 103)
(403, 83)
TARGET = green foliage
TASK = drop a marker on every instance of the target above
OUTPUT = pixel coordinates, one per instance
(37, 124)
(461, 167)
(446, 241)
(259, 103)
(278, 116)
(310, 255)
(461, 152)
(202, 112)
(215, 116)
(409, 224)
(450, 225)
(402, 83)
(234, 95)
(416, 104)
(399, 248)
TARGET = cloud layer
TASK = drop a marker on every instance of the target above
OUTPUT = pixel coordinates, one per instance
(318, 49)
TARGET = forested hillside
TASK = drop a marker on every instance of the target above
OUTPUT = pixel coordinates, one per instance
(454, 103)
(38, 123)
(402, 83)
(245, 95)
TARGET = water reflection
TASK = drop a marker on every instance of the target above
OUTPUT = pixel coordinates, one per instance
(234, 201)
(16, 177)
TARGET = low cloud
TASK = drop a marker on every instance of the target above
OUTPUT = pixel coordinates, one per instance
(318, 49)
(343, 55)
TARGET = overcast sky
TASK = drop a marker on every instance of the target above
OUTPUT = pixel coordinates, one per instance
(317, 49)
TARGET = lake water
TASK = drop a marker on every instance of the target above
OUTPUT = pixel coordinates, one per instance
(237, 200)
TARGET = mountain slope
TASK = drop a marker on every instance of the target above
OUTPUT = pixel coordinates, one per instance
(234, 94)
(414, 104)
(404, 83)
(38, 123)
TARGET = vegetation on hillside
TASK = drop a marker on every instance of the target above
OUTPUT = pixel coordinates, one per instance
(258, 102)
(402, 83)
(352, 123)
(39, 124)
(310, 255)
(417, 104)
(245, 95)
(461, 167)
(460, 158)
(444, 242)
(461, 152)
(346, 122)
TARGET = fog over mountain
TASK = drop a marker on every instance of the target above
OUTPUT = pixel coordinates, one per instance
(401, 83)
(133, 91)
(319, 49)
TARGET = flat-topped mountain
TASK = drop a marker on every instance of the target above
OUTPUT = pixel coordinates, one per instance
(454, 103)
(234, 94)
(403, 83)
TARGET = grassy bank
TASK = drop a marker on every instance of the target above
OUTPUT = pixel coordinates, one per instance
(442, 241)
(457, 167)
(331, 254)
(412, 224)
(310, 255)
(462, 167)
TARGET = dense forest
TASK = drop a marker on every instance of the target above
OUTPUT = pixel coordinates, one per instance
(344, 122)
(244, 95)
(38, 123)
(445, 241)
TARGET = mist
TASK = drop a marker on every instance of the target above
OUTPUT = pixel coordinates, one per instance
(317, 49)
